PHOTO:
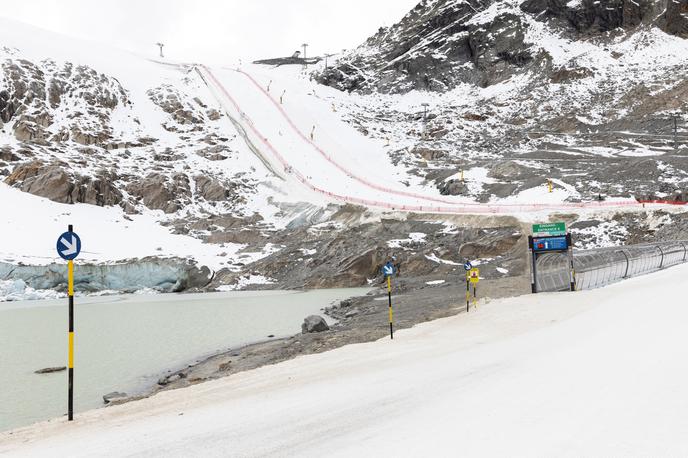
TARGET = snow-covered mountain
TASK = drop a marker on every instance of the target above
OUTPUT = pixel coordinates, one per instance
(587, 93)
(442, 43)
(136, 145)
(462, 108)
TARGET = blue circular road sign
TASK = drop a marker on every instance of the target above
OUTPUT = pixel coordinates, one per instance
(68, 246)
(467, 265)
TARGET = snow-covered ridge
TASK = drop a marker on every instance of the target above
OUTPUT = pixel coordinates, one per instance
(144, 144)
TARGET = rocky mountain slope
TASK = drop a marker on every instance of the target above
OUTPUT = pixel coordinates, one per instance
(442, 43)
(476, 101)
(591, 94)
(145, 142)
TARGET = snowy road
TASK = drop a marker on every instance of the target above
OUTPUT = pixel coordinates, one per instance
(595, 373)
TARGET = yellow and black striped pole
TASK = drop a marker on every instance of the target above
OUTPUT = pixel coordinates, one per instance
(70, 294)
(475, 296)
(468, 292)
(389, 296)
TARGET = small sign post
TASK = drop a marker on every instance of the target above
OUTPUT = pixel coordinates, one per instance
(475, 278)
(388, 270)
(467, 266)
(68, 248)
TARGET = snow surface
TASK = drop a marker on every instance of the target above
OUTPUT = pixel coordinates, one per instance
(593, 373)
(107, 234)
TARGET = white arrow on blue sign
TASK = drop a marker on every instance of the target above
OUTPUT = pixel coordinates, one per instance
(467, 265)
(68, 246)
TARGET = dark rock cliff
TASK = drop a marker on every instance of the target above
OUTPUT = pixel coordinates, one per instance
(440, 44)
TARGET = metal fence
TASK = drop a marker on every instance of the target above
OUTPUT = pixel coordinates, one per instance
(600, 267)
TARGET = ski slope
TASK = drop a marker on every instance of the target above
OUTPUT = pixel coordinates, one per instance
(306, 142)
(594, 373)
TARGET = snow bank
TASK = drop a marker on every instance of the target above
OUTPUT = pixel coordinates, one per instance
(594, 373)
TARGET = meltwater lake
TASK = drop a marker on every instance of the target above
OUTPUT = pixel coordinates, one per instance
(125, 343)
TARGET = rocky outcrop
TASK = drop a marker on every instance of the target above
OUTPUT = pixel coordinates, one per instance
(314, 323)
(34, 91)
(426, 50)
(589, 16)
(210, 189)
(214, 153)
(173, 102)
(354, 255)
(57, 184)
(113, 397)
(442, 43)
(157, 192)
(452, 187)
(675, 18)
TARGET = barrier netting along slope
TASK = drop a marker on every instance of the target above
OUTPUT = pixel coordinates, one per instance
(432, 207)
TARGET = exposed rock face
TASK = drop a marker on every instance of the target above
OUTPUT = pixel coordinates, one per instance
(353, 256)
(210, 189)
(427, 49)
(158, 193)
(171, 101)
(593, 16)
(675, 19)
(314, 323)
(33, 92)
(214, 153)
(55, 183)
(440, 44)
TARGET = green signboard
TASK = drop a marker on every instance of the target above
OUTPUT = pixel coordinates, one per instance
(548, 229)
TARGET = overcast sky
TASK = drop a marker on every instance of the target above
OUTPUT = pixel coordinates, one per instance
(213, 30)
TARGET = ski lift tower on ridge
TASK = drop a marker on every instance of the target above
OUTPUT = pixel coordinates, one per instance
(160, 45)
(305, 62)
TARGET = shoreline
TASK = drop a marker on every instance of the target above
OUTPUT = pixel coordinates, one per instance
(359, 320)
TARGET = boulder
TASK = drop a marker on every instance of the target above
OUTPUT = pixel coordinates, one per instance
(352, 313)
(6, 154)
(214, 153)
(210, 189)
(452, 187)
(213, 114)
(429, 154)
(159, 193)
(50, 182)
(314, 323)
(508, 171)
(114, 396)
(58, 185)
(99, 191)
